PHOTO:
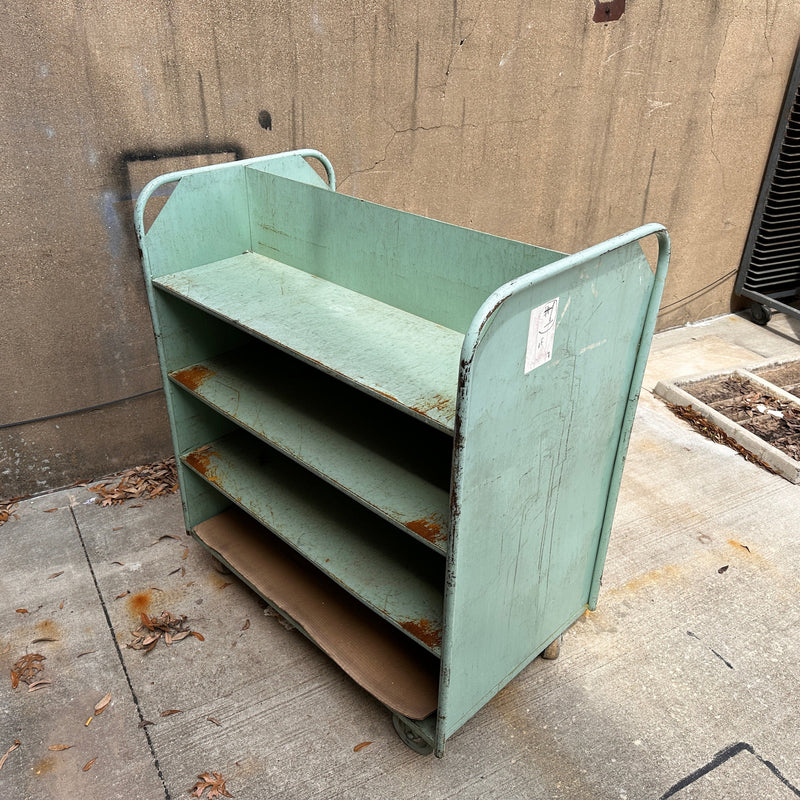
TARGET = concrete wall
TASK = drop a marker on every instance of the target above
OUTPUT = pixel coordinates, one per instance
(528, 120)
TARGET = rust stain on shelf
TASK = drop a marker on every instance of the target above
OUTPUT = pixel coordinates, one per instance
(425, 631)
(388, 396)
(200, 460)
(193, 377)
(429, 529)
(436, 403)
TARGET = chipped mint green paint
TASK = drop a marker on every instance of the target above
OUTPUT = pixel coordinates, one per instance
(538, 461)
(435, 417)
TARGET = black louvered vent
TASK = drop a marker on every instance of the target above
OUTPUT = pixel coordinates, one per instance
(770, 268)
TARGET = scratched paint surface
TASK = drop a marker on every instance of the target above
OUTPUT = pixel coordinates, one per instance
(532, 472)
(405, 360)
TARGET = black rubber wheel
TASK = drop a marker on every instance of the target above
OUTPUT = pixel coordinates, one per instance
(760, 314)
(410, 737)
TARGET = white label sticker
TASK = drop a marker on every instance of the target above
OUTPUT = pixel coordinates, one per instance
(541, 335)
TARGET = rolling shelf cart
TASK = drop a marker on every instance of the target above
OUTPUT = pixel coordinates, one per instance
(406, 436)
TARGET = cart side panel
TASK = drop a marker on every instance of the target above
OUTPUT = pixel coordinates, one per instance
(537, 440)
(205, 218)
(429, 268)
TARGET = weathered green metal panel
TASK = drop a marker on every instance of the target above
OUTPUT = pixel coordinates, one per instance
(538, 446)
(205, 218)
(404, 360)
(429, 268)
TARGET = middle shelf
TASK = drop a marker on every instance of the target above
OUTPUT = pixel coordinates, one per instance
(392, 573)
(382, 458)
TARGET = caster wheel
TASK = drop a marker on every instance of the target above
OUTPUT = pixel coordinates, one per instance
(410, 737)
(760, 314)
(553, 650)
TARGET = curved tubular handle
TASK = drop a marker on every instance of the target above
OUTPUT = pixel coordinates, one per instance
(170, 177)
(483, 319)
(484, 314)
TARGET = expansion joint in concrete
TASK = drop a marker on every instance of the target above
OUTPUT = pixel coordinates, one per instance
(121, 659)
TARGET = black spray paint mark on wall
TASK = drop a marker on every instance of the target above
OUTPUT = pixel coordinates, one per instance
(128, 190)
(718, 760)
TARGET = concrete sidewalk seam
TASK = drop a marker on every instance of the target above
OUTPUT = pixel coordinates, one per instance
(119, 656)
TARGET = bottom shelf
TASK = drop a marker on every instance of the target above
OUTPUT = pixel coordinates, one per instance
(385, 662)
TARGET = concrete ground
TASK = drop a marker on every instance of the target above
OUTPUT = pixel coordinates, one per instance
(682, 684)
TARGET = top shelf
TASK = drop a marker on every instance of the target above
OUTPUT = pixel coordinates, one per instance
(405, 360)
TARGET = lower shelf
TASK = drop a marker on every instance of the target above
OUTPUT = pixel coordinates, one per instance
(393, 669)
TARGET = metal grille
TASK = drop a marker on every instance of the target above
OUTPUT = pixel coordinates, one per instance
(770, 268)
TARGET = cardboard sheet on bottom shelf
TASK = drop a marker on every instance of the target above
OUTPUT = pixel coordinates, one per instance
(376, 655)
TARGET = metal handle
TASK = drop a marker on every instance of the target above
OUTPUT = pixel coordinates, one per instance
(171, 177)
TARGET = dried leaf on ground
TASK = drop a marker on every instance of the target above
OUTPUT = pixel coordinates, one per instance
(170, 712)
(214, 782)
(102, 704)
(164, 536)
(361, 746)
(145, 722)
(57, 748)
(146, 481)
(50, 510)
(7, 511)
(246, 625)
(55, 575)
(11, 750)
(38, 684)
(715, 433)
(123, 594)
(172, 628)
(27, 668)
(88, 765)
(215, 721)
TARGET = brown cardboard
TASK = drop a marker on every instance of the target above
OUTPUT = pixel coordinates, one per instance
(396, 671)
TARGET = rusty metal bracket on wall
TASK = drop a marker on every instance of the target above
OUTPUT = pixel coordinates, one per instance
(608, 11)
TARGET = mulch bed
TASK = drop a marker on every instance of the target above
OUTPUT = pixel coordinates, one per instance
(772, 419)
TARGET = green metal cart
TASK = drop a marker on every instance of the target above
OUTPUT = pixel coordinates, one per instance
(406, 436)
